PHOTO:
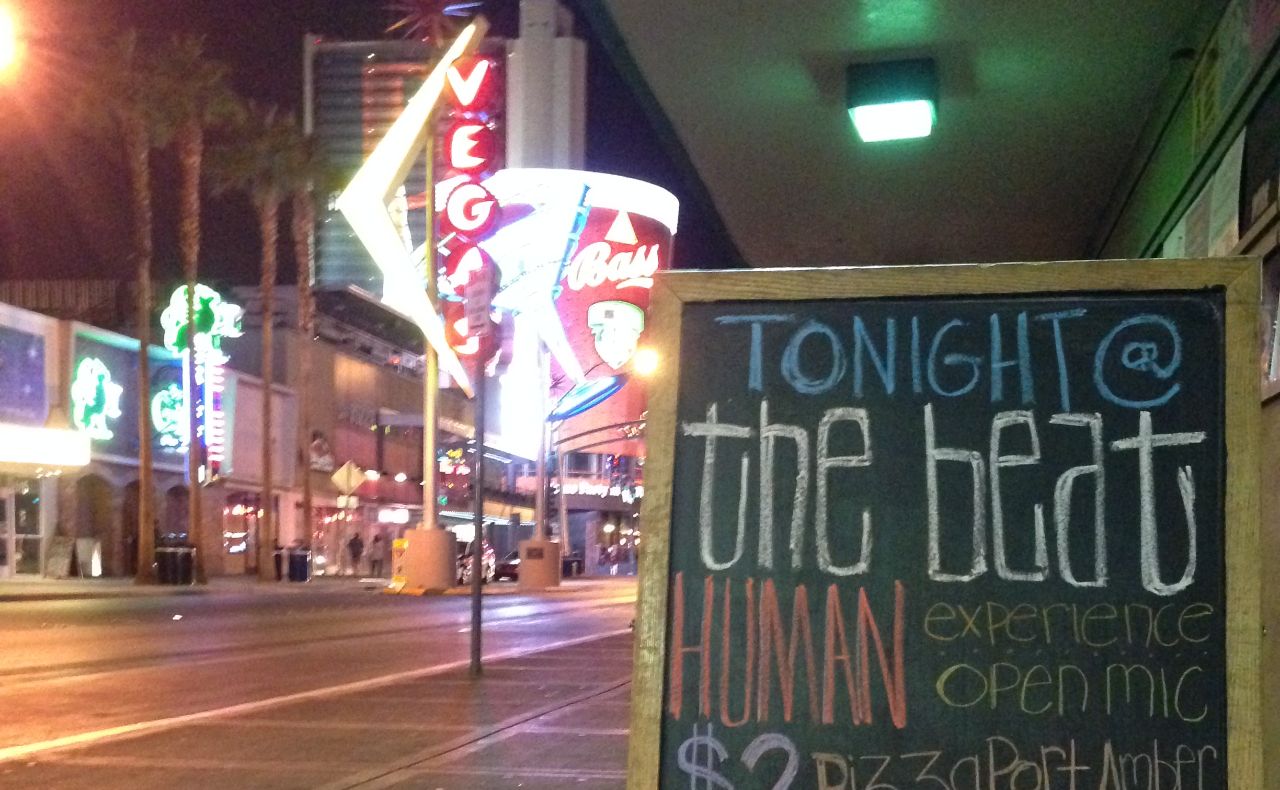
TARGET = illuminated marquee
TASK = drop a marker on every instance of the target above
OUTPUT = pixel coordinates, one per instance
(205, 378)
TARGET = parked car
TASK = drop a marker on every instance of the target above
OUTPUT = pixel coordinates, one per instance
(571, 564)
(488, 562)
(508, 567)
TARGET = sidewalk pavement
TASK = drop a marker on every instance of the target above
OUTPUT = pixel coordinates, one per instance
(42, 589)
(550, 718)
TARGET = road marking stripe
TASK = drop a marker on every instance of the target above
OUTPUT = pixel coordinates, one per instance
(10, 753)
(294, 724)
(22, 677)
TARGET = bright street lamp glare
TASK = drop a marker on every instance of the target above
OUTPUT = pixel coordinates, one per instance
(645, 362)
(8, 41)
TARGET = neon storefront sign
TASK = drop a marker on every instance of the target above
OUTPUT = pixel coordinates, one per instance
(628, 494)
(95, 399)
(204, 382)
(169, 417)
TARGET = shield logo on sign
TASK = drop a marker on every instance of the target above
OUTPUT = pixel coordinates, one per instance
(616, 326)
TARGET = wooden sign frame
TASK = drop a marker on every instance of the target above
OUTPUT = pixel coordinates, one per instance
(1248, 700)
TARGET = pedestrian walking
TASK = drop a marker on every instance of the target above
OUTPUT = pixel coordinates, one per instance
(378, 555)
(355, 547)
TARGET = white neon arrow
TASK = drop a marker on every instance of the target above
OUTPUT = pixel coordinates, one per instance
(364, 202)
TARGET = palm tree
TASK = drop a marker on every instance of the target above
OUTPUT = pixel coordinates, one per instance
(194, 95)
(306, 174)
(120, 99)
(257, 161)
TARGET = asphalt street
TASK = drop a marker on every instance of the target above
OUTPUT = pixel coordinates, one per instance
(139, 672)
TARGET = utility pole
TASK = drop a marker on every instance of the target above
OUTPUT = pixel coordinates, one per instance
(431, 362)
(477, 519)
(478, 299)
(541, 531)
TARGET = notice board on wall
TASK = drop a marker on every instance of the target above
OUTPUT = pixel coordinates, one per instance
(952, 526)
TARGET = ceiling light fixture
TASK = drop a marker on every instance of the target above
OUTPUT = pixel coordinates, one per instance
(892, 100)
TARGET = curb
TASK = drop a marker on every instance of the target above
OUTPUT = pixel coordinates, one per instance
(268, 588)
(171, 591)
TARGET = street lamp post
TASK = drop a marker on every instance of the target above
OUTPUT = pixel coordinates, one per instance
(541, 533)
(557, 440)
(562, 504)
(562, 510)
(589, 393)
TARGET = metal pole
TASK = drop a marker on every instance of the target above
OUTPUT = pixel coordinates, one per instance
(540, 496)
(565, 544)
(431, 375)
(477, 520)
(430, 467)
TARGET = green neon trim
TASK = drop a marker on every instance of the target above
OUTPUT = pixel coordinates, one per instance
(215, 319)
(169, 416)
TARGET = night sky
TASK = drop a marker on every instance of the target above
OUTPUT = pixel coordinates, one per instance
(63, 197)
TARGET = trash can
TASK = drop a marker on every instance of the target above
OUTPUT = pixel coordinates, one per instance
(299, 565)
(278, 557)
(186, 564)
(166, 564)
(175, 564)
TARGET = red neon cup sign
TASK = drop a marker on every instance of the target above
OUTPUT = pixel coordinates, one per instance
(606, 283)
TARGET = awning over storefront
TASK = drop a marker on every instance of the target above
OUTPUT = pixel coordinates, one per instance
(30, 450)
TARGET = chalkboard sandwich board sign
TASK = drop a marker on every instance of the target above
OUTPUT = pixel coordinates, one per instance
(966, 527)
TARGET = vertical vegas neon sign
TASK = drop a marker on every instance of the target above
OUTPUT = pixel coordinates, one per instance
(470, 150)
(205, 378)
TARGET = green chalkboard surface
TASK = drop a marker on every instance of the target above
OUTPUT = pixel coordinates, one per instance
(957, 542)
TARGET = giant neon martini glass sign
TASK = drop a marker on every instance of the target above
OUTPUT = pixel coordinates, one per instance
(205, 379)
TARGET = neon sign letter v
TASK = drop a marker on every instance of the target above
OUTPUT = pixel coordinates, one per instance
(466, 88)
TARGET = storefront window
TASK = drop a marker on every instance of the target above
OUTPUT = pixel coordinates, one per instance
(27, 528)
(331, 530)
(618, 545)
(240, 519)
(20, 538)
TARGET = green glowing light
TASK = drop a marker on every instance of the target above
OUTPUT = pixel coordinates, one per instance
(169, 416)
(215, 319)
(95, 399)
(902, 120)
